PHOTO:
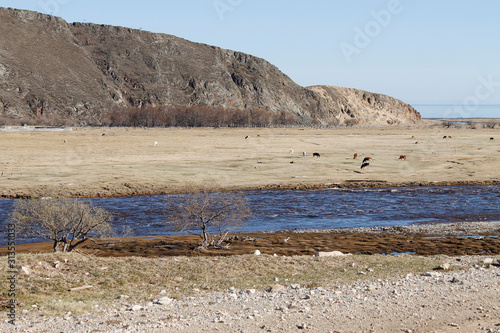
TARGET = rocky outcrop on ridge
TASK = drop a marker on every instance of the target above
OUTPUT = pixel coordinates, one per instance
(77, 71)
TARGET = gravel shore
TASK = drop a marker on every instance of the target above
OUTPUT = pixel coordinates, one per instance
(463, 295)
(463, 298)
(435, 229)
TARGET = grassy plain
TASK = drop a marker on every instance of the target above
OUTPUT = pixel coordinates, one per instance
(119, 161)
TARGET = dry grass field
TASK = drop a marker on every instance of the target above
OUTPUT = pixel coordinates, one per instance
(118, 161)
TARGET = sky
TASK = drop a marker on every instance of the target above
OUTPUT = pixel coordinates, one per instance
(419, 51)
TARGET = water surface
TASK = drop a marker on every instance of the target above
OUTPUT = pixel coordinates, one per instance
(320, 209)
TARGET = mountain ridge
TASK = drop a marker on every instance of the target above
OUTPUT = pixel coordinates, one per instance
(78, 71)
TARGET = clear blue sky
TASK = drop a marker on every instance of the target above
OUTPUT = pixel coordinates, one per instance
(420, 51)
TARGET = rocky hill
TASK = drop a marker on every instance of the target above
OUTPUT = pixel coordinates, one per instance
(77, 71)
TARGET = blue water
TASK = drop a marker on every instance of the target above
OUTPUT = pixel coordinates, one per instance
(319, 209)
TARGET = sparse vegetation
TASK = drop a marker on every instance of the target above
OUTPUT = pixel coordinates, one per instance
(205, 210)
(67, 222)
(142, 279)
(195, 116)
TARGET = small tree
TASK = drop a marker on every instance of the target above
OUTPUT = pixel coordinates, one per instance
(205, 210)
(67, 222)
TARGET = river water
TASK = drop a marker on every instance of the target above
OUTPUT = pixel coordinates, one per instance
(318, 209)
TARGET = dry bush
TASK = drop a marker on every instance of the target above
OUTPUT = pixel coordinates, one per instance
(195, 116)
(204, 210)
(67, 222)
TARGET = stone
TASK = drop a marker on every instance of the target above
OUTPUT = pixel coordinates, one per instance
(257, 253)
(444, 267)
(25, 270)
(164, 301)
(276, 288)
(135, 308)
(329, 254)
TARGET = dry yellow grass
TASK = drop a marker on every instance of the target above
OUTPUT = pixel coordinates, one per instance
(49, 277)
(126, 161)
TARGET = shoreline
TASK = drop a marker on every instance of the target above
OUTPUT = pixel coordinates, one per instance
(143, 189)
(421, 239)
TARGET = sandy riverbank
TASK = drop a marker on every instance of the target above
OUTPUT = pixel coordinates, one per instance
(124, 161)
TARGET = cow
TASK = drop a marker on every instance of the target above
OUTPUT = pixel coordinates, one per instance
(402, 157)
(304, 154)
(366, 159)
(316, 155)
(155, 144)
(355, 155)
(492, 138)
(444, 137)
(246, 137)
(364, 165)
(291, 151)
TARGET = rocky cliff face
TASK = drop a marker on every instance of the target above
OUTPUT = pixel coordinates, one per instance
(78, 71)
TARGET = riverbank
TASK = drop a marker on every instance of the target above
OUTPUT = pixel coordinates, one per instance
(452, 239)
(250, 293)
(98, 162)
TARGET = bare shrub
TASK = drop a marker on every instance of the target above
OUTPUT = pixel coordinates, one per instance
(67, 222)
(489, 124)
(205, 210)
(195, 116)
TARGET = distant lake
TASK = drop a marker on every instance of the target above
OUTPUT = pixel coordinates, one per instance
(319, 209)
(458, 110)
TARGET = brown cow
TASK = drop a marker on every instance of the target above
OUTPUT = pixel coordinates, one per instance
(402, 157)
(355, 155)
(366, 159)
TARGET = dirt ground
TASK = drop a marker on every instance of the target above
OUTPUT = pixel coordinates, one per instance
(126, 161)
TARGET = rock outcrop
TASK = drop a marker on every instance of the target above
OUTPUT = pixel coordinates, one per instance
(77, 71)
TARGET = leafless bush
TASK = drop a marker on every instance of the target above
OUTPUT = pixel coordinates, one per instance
(67, 222)
(204, 210)
(489, 124)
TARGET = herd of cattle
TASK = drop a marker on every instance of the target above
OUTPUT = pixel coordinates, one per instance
(366, 161)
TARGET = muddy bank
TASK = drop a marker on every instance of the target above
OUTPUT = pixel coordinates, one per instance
(454, 239)
(150, 189)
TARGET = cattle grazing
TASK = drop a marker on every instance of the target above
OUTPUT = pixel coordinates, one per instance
(65, 141)
(316, 155)
(304, 154)
(246, 137)
(364, 165)
(155, 144)
(402, 157)
(444, 137)
(413, 136)
(366, 159)
(291, 151)
(417, 142)
(103, 134)
(449, 136)
(292, 162)
(355, 155)
(492, 138)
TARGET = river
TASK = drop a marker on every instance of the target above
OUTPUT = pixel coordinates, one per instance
(318, 209)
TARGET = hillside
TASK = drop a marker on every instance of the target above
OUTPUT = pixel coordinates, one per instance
(78, 71)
